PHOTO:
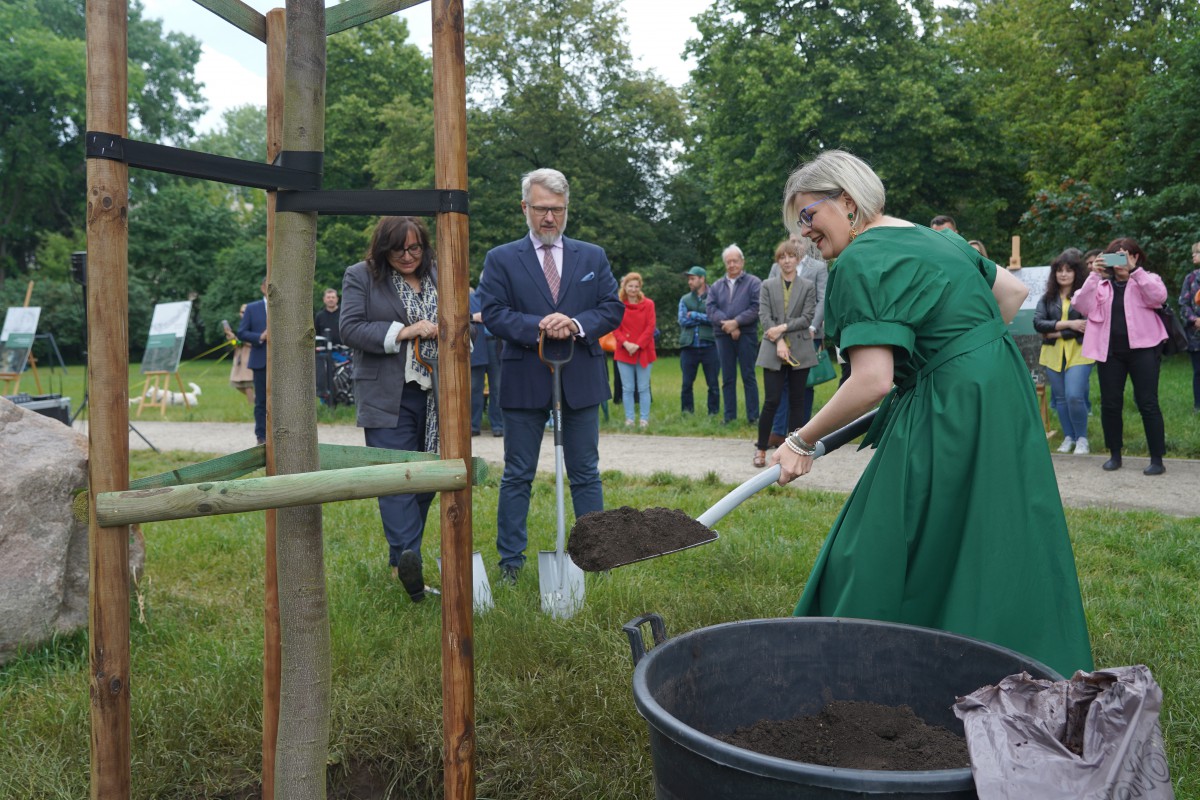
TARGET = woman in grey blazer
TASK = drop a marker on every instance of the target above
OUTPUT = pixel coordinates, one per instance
(786, 306)
(389, 303)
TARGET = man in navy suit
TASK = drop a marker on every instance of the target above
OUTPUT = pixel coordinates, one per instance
(564, 288)
(253, 329)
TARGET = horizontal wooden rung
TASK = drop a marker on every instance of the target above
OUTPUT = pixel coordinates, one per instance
(277, 491)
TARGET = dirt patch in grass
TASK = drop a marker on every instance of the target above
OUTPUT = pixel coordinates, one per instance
(855, 735)
(606, 539)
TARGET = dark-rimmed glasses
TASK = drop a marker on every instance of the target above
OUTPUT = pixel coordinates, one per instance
(541, 211)
(413, 250)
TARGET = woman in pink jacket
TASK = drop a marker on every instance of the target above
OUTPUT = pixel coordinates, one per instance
(1124, 336)
(635, 347)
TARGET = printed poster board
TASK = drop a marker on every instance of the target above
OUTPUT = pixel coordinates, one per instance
(164, 345)
(16, 338)
(1022, 331)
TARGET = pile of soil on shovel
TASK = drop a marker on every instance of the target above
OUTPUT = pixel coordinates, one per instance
(606, 539)
(855, 735)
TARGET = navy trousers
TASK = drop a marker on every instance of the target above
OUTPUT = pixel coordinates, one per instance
(738, 356)
(403, 515)
(523, 432)
(691, 359)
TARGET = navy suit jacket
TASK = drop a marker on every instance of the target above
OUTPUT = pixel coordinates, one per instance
(516, 297)
(250, 330)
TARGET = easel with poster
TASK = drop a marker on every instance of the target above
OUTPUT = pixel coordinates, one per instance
(1029, 340)
(16, 341)
(164, 347)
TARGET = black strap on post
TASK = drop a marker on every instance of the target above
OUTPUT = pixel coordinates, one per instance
(384, 202)
(302, 171)
(295, 175)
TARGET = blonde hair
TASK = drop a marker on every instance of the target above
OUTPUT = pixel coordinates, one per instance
(831, 173)
(631, 276)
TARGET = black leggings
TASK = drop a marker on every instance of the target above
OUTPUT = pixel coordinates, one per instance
(1141, 366)
(773, 382)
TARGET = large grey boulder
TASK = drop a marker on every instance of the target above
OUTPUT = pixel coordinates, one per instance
(43, 548)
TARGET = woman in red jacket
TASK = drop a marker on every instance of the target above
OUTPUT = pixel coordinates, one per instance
(635, 347)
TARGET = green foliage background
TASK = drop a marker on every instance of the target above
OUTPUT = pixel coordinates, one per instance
(1066, 124)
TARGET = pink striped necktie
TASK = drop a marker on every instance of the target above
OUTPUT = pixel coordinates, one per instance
(551, 270)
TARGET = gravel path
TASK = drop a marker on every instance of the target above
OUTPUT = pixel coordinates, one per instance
(1080, 479)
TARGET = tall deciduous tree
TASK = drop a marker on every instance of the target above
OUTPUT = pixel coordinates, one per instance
(776, 82)
(1162, 162)
(552, 84)
(379, 129)
(1061, 75)
(42, 113)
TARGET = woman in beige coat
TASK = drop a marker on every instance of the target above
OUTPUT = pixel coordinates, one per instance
(786, 306)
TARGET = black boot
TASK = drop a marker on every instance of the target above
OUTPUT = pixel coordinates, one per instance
(1156, 467)
(408, 570)
(1113, 463)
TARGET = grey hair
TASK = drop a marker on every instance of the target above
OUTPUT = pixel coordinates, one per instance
(550, 179)
(831, 173)
(733, 248)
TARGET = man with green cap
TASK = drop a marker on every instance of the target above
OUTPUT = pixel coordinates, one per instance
(697, 345)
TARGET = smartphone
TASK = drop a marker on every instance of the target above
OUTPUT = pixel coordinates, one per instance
(1112, 259)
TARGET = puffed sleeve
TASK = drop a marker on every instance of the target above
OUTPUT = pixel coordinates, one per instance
(876, 297)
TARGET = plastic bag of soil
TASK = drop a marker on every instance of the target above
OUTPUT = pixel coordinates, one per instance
(1094, 736)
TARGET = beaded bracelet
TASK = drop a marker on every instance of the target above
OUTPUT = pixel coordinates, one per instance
(799, 446)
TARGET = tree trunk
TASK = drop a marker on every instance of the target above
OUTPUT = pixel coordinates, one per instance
(303, 740)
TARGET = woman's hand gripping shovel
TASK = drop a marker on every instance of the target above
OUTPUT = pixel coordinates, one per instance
(609, 539)
(560, 581)
(481, 589)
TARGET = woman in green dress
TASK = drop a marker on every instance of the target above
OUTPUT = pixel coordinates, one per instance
(956, 523)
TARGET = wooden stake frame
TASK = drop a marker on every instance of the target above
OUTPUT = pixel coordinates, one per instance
(108, 345)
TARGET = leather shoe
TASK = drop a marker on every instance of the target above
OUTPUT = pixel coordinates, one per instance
(497, 434)
(1112, 464)
(509, 574)
(408, 570)
(1155, 468)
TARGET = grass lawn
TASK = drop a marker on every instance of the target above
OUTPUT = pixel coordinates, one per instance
(219, 402)
(554, 707)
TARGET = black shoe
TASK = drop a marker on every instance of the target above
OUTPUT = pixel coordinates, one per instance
(1112, 464)
(408, 569)
(509, 574)
(474, 433)
(1155, 468)
(497, 434)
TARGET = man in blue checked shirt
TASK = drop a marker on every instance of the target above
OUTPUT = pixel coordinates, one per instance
(697, 345)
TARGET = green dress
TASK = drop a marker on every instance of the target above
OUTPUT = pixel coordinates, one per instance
(956, 523)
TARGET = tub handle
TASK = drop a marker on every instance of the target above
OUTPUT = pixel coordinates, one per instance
(637, 642)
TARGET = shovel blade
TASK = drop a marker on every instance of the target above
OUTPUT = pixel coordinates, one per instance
(715, 536)
(562, 595)
(481, 589)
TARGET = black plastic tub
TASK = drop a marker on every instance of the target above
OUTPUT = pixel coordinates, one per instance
(716, 679)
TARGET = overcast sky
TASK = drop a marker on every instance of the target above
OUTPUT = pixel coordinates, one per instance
(232, 63)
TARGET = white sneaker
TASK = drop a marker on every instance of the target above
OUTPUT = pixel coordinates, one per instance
(1066, 446)
(1081, 446)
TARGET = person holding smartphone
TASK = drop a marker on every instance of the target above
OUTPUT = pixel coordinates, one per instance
(1124, 337)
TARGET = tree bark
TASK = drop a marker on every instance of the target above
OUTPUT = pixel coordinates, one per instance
(305, 675)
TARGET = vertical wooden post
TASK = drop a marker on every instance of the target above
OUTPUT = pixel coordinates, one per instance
(108, 428)
(276, 53)
(305, 664)
(450, 147)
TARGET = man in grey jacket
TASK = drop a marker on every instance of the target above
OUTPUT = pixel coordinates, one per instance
(733, 311)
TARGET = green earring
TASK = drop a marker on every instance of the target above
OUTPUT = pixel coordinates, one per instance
(850, 216)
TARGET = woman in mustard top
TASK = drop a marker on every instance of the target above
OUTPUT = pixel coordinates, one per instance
(1067, 370)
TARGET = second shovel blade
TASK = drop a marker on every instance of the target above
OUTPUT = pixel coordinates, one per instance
(562, 596)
